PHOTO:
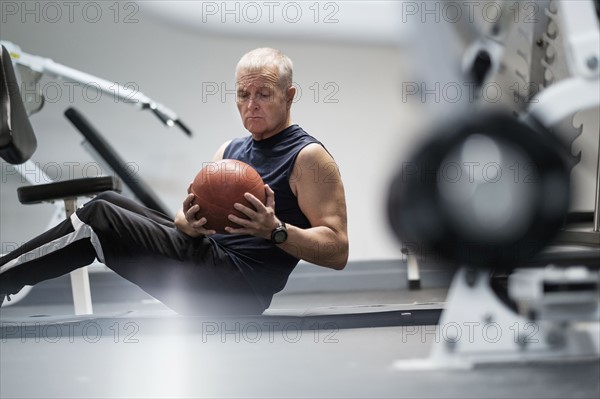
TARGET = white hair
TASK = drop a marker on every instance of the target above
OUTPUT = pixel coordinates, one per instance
(265, 57)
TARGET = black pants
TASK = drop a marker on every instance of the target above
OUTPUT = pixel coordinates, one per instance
(193, 276)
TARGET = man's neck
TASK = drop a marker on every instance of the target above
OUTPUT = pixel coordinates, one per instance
(266, 135)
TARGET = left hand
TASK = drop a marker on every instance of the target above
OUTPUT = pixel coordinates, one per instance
(260, 221)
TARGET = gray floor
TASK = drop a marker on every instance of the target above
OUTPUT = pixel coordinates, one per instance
(348, 363)
(138, 348)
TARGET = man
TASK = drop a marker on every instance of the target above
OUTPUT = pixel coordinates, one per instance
(192, 269)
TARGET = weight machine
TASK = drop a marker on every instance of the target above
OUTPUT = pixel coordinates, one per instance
(528, 289)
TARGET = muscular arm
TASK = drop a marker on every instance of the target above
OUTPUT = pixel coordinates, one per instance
(320, 192)
(318, 186)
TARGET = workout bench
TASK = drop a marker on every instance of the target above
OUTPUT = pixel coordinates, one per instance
(18, 144)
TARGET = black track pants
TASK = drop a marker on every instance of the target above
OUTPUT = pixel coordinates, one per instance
(190, 275)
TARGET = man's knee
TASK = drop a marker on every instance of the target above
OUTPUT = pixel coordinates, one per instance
(99, 212)
(108, 196)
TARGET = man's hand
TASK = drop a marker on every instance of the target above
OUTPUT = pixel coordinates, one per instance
(261, 220)
(186, 221)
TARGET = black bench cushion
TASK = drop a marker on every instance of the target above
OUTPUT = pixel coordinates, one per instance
(68, 189)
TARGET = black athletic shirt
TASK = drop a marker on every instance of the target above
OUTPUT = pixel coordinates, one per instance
(264, 265)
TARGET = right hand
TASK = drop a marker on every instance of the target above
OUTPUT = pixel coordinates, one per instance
(187, 222)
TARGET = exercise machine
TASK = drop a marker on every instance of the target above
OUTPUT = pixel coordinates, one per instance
(21, 73)
(490, 187)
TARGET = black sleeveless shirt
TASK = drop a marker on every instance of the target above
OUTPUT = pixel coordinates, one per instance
(263, 264)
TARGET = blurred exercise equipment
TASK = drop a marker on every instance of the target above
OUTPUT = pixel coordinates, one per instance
(489, 187)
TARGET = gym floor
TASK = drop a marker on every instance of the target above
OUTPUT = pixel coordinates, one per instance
(343, 343)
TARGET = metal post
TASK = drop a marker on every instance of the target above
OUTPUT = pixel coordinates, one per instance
(597, 202)
(80, 281)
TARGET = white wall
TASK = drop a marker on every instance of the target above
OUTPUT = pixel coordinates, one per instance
(364, 124)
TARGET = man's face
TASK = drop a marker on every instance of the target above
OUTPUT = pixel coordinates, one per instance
(263, 105)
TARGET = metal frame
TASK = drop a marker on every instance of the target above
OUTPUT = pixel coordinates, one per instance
(476, 327)
(579, 92)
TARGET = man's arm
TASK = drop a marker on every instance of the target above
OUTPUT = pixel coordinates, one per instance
(320, 191)
(317, 184)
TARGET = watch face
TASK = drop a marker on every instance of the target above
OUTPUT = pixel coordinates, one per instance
(280, 236)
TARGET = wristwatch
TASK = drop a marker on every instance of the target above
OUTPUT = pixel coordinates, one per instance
(279, 235)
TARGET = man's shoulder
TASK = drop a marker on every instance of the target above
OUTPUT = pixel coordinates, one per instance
(232, 147)
(312, 148)
(299, 134)
(239, 141)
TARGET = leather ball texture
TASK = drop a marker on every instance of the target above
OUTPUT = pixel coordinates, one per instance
(219, 185)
